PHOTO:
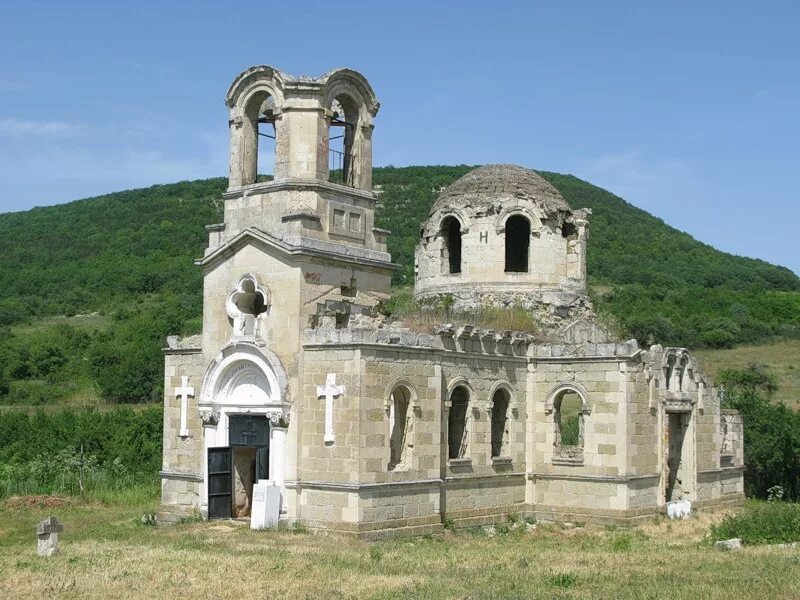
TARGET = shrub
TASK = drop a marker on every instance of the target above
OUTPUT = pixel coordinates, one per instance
(33, 393)
(761, 523)
(41, 452)
(771, 433)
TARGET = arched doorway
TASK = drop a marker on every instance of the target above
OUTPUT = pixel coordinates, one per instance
(242, 398)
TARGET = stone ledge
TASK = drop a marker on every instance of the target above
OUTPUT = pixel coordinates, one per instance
(181, 476)
(721, 471)
(187, 345)
(334, 486)
(591, 477)
(471, 478)
(568, 461)
(298, 183)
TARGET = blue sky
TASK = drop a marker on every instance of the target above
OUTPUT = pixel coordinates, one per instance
(690, 110)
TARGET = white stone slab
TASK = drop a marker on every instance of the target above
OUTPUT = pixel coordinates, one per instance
(266, 505)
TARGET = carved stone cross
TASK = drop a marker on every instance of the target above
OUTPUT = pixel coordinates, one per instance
(329, 391)
(47, 534)
(184, 392)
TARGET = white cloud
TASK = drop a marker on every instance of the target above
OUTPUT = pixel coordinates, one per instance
(27, 128)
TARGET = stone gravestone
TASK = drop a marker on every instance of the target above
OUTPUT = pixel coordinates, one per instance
(266, 504)
(47, 533)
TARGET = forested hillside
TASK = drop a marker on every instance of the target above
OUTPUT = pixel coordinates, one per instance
(128, 257)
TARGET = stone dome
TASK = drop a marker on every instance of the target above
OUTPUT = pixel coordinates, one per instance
(493, 183)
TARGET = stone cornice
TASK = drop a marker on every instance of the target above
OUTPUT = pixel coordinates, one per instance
(297, 183)
(346, 486)
(300, 246)
(592, 478)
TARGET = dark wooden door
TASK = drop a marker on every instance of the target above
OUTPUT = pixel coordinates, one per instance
(262, 463)
(220, 483)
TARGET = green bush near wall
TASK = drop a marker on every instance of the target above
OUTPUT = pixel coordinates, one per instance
(761, 523)
(49, 452)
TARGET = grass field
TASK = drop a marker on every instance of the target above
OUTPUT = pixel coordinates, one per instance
(108, 553)
(782, 360)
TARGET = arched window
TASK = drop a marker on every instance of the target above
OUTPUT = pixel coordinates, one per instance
(400, 427)
(518, 242)
(457, 430)
(568, 419)
(341, 141)
(259, 137)
(451, 251)
(499, 423)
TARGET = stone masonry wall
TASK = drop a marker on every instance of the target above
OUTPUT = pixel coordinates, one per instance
(182, 456)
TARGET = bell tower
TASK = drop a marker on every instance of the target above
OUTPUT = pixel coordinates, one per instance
(318, 134)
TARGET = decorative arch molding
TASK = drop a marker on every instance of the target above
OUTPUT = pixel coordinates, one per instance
(413, 400)
(505, 386)
(234, 362)
(260, 78)
(509, 211)
(568, 387)
(457, 215)
(459, 382)
(346, 82)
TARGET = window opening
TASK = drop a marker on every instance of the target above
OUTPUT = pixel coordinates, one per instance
(451, 235)
(568, 409)
(259, 139)
(499, 422)
(341, 133)
(457, 423)
(518, 240)
(399, 416)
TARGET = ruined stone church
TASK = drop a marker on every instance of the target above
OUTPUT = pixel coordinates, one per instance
(375, 429)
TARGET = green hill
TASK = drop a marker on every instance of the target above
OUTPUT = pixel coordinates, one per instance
(128, 257)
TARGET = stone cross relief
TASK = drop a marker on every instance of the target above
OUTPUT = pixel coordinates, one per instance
(183, 392)
(329, 391)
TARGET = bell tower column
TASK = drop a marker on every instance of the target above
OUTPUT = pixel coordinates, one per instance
(305, 132)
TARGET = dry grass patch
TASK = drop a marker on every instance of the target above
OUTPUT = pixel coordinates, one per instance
(782, 359)
(107, 553)
(426, 317)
